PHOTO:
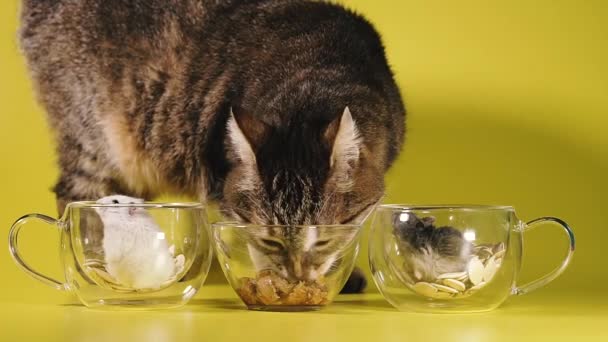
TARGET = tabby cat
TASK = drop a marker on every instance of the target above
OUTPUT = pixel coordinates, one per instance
(284, 112)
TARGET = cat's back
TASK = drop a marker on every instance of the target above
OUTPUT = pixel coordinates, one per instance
(146, 86)
(76, 29)
(96, 63)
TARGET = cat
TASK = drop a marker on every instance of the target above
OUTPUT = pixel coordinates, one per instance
(283, 112)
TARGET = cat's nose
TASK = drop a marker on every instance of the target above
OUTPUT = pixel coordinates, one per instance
(296, 262)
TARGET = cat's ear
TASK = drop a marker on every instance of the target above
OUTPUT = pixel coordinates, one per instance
(345, 140)
(245, 134)
(239, 144)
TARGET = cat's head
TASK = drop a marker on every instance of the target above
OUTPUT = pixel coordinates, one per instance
(299, 173)
(303, 173)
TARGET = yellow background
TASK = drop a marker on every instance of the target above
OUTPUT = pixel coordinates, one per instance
(508, 104)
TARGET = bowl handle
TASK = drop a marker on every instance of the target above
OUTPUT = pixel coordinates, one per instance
(13, 242)
(547, 278)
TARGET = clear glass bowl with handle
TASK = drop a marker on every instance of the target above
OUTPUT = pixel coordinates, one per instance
(453, 258)
(143, 255)
(286, 268)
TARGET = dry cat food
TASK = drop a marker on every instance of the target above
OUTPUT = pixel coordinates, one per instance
(268, 288)
(481, 268)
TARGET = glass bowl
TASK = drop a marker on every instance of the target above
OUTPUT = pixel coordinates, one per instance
(136, 256)
(286, 268)
(454, 258)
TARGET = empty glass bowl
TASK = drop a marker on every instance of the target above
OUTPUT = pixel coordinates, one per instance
(286, 268)
(444, 259)
(144, 255)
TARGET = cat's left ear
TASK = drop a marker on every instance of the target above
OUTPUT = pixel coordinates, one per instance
(345, 140)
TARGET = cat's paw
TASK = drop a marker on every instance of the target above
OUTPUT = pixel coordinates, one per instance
(356, 283)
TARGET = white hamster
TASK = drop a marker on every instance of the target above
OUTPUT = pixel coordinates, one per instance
(136, 252)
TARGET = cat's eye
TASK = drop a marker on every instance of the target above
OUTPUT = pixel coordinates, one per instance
(321, 243)
(272, 244)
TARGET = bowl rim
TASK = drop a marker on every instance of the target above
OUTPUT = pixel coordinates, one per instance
(456, 207)
(166, 205)
(239, 225)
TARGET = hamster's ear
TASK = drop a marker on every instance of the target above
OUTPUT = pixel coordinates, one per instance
(118, 199)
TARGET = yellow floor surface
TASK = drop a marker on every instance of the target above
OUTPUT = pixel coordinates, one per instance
(507, 105)
(217, 315)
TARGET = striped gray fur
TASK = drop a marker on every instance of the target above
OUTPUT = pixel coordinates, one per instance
(285, 112)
